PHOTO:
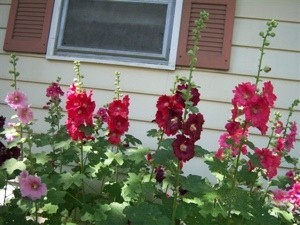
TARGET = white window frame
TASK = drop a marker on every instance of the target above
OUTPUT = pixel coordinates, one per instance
(169, 65)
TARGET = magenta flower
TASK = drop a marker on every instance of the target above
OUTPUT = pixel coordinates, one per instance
(16, 99)
(25, 114)
(31, 186)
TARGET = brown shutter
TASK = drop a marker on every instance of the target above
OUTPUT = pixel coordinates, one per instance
(28, 26)
(215, 43)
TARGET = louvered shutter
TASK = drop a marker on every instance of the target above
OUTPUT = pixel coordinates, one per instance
(215, 43)
(28, 26)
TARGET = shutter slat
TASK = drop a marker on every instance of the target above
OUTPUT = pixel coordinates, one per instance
(215, 42)
(28, 26)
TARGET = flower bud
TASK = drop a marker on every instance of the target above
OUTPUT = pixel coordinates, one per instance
(267, 69)
(262, 34)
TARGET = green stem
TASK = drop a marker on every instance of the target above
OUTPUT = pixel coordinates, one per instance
(36, 213)
(175, 203)
(82, 168)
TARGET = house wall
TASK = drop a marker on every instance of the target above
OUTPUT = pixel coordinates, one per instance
(145, 85)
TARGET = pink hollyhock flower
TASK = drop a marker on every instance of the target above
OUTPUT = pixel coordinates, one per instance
(280, 196)
(193, 126)
(31, 186)
(268, 94)
(291, 137)
(54, 91)
(278, 127)
(280, 144)
(257, 113)
(244, 93)
(269, 161)
(183, 148)
(25, 114)
(16, 99)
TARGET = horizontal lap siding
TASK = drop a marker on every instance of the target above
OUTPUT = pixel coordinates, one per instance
(145, 85)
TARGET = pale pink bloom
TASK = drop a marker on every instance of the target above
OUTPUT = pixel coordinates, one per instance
(25, 114)
(9, 137)
(31, 186)
(16, 99)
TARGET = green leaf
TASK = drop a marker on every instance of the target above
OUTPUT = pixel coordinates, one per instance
(67, 180)
(63, 144)
(138, 154)
(250, 145)
(41, 158)
(132, 187)
(200, 152)
(196, 184)
(56, 196)
(49, 208)
(12, 164)
(111, 156)
(161, 156)
(146, 214)
(115, 216)
(130, 139)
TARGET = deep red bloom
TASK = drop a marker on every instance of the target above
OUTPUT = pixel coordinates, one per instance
(8, 153)
(232, 127)
(269, 161)
(159, 174)
(183, 148)
(195, 95)
(169, 114)
(193, 126)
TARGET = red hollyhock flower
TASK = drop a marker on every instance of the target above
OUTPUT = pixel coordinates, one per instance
(80, 108)
(114, 138)
(118, 124)
(268, 94)
(269, 161)
(194, 93)
(169, 114)
(183, 148)
(193, 126)
(257, 113)
(54, 91)
(119, 107)
(244, 93)
(117, 121)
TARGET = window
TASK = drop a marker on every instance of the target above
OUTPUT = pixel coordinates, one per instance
(147, 33)
(116, 31)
